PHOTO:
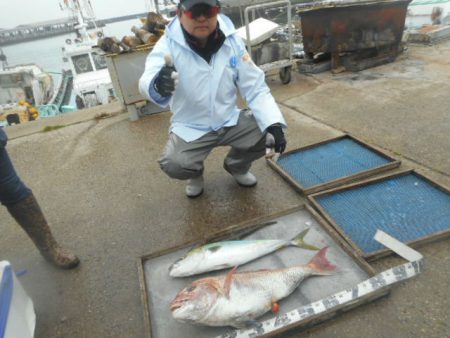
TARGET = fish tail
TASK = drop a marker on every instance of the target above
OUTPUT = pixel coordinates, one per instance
(300, 242)
(320, 264)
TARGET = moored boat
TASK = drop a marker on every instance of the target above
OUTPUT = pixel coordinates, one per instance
(22, 88)
(92, 83)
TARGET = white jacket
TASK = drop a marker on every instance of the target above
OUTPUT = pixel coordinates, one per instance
(205, 97)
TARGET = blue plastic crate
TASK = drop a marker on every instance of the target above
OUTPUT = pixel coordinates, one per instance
(330, 161)
(408, 207)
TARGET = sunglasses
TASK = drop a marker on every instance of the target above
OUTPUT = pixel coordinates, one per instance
(201, 10)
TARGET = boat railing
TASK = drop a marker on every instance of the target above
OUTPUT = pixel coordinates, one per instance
(65, 86)
(56, 104)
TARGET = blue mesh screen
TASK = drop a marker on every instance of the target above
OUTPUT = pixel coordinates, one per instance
(406, 207)
(329, 161)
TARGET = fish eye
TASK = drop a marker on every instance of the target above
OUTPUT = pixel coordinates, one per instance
(190, 288)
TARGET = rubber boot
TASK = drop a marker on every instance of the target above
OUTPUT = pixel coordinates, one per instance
(246, 180)
(30, 217)
(194, 187)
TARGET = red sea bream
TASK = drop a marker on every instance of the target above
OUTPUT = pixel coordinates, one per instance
(236, 299)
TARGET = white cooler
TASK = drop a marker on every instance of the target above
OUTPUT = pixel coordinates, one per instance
(17, 316)
(259, 30)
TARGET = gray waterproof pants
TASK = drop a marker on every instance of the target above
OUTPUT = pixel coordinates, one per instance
(184, 160)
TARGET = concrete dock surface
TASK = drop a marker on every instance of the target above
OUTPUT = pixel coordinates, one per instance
(99, 184)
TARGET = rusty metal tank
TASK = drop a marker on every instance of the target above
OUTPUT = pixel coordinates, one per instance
(353, 26)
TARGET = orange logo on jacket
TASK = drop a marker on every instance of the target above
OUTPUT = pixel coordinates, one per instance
(246, 57)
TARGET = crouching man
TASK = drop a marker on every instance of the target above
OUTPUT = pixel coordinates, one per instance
(197, 67)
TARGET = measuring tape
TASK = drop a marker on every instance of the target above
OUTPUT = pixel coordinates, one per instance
(388, 277)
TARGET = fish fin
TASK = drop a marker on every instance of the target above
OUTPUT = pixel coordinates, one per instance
(228, 281)
(223, 266)
(214, 248)
(299, 241)
(253, 228)
(320, 264)
(275, 307)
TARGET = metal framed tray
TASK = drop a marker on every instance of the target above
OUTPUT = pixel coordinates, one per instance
(158, 288)
(331, 163)
(406, 205)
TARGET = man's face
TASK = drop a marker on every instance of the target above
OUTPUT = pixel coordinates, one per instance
(199, 21)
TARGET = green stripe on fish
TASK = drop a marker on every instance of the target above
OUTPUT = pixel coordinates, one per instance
(227, 254)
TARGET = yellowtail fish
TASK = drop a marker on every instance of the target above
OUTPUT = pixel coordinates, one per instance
(237, 299)
(228, 254)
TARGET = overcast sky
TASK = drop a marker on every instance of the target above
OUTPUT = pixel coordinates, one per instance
(19, 12)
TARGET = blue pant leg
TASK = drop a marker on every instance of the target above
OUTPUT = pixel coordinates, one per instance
(12, 189)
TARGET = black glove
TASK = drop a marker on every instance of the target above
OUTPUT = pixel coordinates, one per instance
(164, 84)
(280, 142)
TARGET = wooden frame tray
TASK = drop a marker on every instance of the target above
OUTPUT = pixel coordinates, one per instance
(158, 289)
(313, 199)
(392, 163)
